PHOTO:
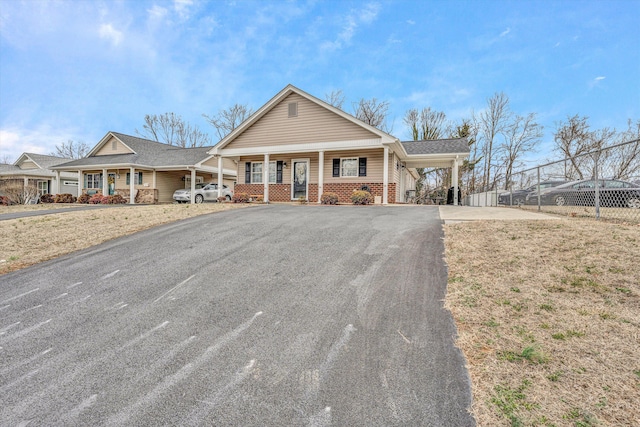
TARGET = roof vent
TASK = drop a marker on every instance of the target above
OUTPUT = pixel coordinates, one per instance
(293, 109)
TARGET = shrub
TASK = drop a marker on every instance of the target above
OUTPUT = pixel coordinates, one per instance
(222, 199)
(4, 201)
(116, 199)
(96, 199)
(64, 198)
(46, 198)
(360, 197)
(83, 198)
(17, 193)
(240, 198)
(329, 198)
(259, 199)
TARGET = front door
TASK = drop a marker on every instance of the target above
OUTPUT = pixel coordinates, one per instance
(300, 179)
(112, 184)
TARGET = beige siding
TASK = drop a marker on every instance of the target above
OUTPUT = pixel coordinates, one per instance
(167, 183)
(28, 165)
(374, 165)
(108, 148)
(312, 124)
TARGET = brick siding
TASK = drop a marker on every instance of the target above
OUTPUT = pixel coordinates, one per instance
(282, 192)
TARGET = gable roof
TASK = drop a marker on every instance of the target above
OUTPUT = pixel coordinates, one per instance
(279, 97)
(145, 153)
(44, 163)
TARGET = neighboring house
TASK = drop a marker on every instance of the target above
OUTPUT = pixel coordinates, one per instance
(298, 147)
(157, 169)
(35, 169)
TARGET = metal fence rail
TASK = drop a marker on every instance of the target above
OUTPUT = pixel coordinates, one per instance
(602, 184)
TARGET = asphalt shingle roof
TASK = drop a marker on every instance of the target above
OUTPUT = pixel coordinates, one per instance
(437, 146)
(45, 162)
(147, 153)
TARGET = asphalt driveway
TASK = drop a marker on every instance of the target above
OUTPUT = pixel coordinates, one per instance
(277, 315)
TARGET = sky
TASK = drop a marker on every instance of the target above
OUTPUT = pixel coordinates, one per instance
(75, 70)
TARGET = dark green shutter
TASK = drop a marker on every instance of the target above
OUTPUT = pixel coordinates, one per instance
(362, 166)
(128, 178)
(279, 172)
(336, 167)
(139, 178)
(247, 173)
(85, 180)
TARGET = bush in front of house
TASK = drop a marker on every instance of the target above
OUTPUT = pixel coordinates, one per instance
(46, 198)
(329, 198)
(4, 201)
(96, 199)
(83, 198)
(361, 197)
(64, 198)
(116, 199)
(240, 198)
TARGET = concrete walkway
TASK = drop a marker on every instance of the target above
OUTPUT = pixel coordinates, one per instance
(72, 208)
(452, 214)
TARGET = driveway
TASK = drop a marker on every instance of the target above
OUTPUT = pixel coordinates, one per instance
(277, 315)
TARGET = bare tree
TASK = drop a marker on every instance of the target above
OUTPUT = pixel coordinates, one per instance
(226, 121)
(624, 161)
(5, 160)
(372, 112)
(521, 136)
(335, 98)
(426, 123)
(18, 193)
(493, 122)
(171, 129)
(71, 150)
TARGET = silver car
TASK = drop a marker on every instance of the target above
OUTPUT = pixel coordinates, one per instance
(203, 193)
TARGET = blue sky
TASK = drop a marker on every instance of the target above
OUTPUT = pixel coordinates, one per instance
(78, 69)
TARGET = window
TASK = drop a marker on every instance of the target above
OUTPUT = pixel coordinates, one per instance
(43, 187)
(137, 178)
(256, 172)
(293, 109)
(350, 167)
(93, 180)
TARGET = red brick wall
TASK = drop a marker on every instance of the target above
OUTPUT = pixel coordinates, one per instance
(282, 192)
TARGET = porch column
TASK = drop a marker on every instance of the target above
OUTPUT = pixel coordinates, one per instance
(320, 175)
(385, 176)
(220, 176)
(58, 186)
(80, 183)
(454, 178)
(132, 186)
(105, 183)
(193, 186)
(265, 172)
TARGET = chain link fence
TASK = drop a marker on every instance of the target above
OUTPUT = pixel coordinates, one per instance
(602, 184)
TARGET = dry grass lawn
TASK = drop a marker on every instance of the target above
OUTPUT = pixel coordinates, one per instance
(30, 240)
(548, 316)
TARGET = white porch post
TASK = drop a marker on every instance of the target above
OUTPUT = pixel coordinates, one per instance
(265, 172)
(455, 181)
(132, 186)
(193, 186)
(80, 183)
(320, 175)
(105, 183)
(58, 186)
(220, 176)
(385, 177)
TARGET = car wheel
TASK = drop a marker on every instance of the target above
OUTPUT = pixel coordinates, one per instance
(634, 202)
(228, 197)
(560, 201)
(199, 198)
(518, 202)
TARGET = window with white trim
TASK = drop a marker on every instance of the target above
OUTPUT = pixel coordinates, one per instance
(43, 187)
(94, 180)
(256, 172)
(349, 167)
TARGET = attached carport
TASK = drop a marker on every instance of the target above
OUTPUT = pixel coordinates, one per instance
(441, 153)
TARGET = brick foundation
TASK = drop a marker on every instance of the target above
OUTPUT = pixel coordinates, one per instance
(282, 192)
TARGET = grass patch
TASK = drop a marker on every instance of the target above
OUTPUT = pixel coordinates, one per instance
(511, 402)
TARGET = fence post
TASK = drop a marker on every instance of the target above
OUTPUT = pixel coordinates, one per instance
(538, 168)
(597, 195)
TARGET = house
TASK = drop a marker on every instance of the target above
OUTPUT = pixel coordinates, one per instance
(36, 170)
(145, 171)
(297, 146)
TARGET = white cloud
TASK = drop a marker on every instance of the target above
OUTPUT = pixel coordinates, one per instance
(411, 22)
(505, 32)
(600, 78)
(109, 33)
(157, 13)
(355, 17)
(41, 140)
(182, 8)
